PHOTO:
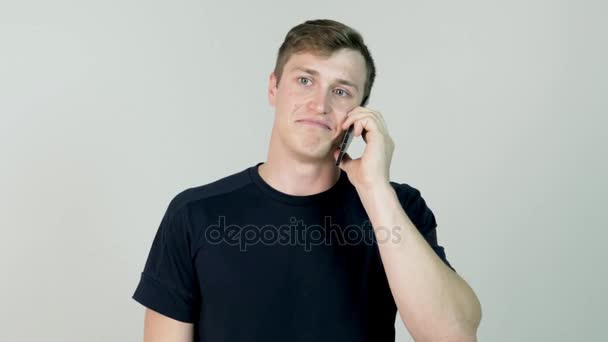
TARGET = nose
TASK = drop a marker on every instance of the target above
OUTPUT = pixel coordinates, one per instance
(320, 102)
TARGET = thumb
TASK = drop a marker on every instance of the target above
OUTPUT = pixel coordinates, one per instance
(345, 162)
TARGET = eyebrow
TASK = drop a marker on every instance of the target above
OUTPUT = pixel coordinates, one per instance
(316, 73)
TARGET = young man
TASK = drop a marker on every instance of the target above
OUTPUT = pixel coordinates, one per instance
(296, 248)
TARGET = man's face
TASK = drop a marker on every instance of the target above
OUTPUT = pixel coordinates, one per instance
(316, 88)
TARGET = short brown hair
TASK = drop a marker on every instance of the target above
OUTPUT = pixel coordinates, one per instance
(323, 37)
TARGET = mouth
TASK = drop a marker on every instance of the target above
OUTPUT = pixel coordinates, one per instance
(314, 123)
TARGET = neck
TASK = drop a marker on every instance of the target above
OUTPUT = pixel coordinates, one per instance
(299, 178)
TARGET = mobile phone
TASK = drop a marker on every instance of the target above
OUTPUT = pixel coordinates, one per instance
(345, 142)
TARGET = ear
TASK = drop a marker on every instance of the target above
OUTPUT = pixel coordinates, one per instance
(272, 89)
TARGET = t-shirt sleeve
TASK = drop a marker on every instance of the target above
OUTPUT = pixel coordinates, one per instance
(423, 218)
(169, 283)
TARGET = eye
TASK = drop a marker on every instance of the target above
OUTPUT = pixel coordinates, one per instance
(345, 93)
(303, 78)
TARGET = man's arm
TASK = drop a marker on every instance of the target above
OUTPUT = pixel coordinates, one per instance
(434, 302)
(160, 328)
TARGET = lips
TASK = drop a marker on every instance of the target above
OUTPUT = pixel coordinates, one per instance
(314, 122)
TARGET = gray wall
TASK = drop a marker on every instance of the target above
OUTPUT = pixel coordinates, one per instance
(109, 108)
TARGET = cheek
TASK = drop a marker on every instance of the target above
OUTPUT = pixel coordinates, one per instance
(296, 107)
(290, 103)
(288, 98)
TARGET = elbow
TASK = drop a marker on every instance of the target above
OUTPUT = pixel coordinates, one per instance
(465, 328)
(461, 338)
(461, 332)
(475, 319)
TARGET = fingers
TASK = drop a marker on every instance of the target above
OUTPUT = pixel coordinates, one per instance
(365, 121)
(363, 124)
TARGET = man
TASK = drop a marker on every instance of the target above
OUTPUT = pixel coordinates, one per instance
(281, 251)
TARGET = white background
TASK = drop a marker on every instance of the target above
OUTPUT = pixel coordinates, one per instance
(109, 108)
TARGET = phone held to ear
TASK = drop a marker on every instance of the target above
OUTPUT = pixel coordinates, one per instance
(345, 142)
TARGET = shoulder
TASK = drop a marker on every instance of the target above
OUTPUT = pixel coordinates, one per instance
(224, 186)
(414, 205)
(406, 192)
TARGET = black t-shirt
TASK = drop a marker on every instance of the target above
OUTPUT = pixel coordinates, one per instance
(246, 262)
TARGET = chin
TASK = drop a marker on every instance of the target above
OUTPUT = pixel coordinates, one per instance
(318, 155)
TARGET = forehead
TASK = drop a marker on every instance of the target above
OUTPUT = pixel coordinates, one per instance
(344, 64)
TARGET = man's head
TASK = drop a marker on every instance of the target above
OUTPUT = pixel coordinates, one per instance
(324, 37)
(323, 70)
